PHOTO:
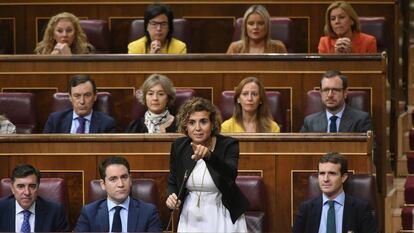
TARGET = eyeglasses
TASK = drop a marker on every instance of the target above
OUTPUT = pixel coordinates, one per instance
(155, 24)
(333, 90)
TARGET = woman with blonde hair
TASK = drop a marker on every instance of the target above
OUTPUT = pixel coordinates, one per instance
(64, 35)
(342, 32)
(255, 34)
(251, 111)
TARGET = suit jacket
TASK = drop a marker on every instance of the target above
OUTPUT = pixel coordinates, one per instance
(142, 217)
(50, 216)
(353, 121)
(61, 122)
(222, 165)
(357, 216)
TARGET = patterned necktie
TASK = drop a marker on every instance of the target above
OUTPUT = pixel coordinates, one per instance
(332, 126)
(116, 222)
(26, 224)
(81, 127)
(330, 222)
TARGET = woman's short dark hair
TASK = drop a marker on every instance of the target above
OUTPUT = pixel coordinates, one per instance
(153, 11)
(198, 104)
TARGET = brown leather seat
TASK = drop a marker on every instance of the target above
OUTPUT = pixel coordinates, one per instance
(104, 102)
(253, 188)
(281, 29)
(98, 34)
(143, 189)
(181, 31)
(52, 189)
(376, 26)
(276, 107)
(362, 186)
(181, 95)
(20, 109)
(356, 99)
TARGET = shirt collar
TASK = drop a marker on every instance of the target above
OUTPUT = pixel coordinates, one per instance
(340, 199)
(112, 204)
(19, 209)
(87, 117)
(338, 114)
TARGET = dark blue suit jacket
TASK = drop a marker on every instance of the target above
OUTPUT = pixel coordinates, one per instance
(61, 122)
(357, 216)
(142, 217)
(50, 216)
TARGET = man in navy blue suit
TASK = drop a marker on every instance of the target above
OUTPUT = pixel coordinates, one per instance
(81, 118)
(334, 211)
(119, 212)
(25, 211)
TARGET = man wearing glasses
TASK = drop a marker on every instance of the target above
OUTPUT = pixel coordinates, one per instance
(337, 115)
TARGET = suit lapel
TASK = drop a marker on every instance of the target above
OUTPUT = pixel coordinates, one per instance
(10, 219)
(41, 214)
(133, 215)
(347, 215)
(67, 122)
(316, 212)
(103, 217)
(346, 121)
(321, 124)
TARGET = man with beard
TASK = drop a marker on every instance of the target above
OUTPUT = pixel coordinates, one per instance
(337, 115)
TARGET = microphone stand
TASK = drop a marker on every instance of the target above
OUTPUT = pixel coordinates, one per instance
(178, 197)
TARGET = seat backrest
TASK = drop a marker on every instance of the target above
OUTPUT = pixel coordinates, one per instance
(181, 30)
(98, 34)
(52, 189)
(357, 99)
(20, 109)
(253, 189)
(281, 28)
(143, 189)
(181, 95)
(376, 26)
(275, 103)
(104, 102)
(362, 186)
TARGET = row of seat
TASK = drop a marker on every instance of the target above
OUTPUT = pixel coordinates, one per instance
(282, 28)
(20, 107)
(358, 185)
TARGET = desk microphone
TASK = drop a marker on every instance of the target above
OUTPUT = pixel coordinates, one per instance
(178, 198)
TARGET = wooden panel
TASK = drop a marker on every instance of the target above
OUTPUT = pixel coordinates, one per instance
(273, 156)
(7, 36)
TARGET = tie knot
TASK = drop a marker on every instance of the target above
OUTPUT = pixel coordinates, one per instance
(331, 203)
(118, 208)
(333, 118)
(81, 120)
(26, 213)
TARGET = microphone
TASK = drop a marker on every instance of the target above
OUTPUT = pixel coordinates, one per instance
(178, 198)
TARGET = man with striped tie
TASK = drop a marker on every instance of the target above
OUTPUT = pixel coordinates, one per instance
(25, 211)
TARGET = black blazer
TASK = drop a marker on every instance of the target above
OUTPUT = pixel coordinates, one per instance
(222, 166)
(61, 122)
(357, 216)
(138, 126)
(50, 216)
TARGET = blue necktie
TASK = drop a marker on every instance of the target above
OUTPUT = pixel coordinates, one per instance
(81, 127)
(330, 222)
(26, 224)
(332, 126)
(116, 222)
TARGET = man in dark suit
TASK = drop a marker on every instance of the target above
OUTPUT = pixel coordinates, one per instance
(337, 116)
(25, 211)
(82, 118)
(334, 211)
(118, 212)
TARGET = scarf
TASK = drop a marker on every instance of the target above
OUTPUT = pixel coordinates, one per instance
(153, 121)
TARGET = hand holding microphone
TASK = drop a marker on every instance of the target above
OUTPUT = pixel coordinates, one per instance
(173, 202)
